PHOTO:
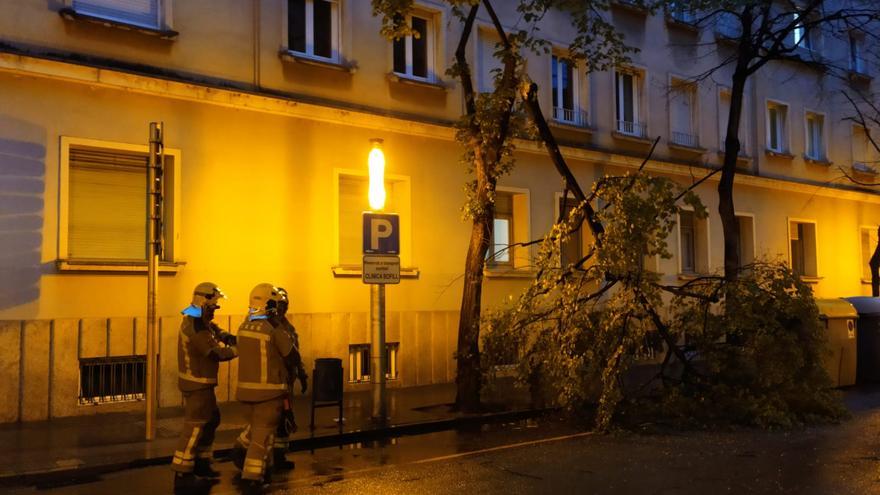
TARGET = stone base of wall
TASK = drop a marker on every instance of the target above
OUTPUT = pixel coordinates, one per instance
(40, 359)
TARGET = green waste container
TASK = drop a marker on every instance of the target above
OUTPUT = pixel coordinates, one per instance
(868, 336)
(839, 318)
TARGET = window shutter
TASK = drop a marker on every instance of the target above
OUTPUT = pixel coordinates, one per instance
(141, 12)
(108, 205)
(680, 110)
(487, 60)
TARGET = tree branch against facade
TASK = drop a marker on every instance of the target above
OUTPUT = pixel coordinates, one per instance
(489, 124)
(763, 32)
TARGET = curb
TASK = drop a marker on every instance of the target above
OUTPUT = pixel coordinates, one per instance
(66, 476)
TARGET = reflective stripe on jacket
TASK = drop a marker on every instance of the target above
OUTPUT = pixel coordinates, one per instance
(196, 369)
(262, 374)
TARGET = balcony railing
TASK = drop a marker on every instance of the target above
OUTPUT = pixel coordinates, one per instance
(685, 139)
(636, 129)
(570, 116)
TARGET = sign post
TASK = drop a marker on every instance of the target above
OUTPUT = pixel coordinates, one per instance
(381, 266)
(154, 251)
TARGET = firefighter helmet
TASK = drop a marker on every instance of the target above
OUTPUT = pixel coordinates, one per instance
(284, 303)
(264, 300)
(207, 294)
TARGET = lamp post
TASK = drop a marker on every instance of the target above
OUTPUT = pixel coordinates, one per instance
(376, 164)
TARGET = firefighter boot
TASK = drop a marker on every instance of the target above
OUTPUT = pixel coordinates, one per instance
(203, 468)
(280, 462)
(185, 483)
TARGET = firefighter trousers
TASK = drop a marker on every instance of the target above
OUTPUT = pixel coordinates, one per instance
(201, 418)
(258, 438)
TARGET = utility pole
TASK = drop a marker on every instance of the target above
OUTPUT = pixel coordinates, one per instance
(155, 166)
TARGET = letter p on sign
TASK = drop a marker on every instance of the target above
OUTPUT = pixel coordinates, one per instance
(381, 233)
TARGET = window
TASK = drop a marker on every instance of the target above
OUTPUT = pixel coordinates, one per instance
(804, 37)
(724, 100)
(746, 246)
(488, 64)
(566, 104)
(502, 231)
(868, 242)
(112, 379)
(857, 53)
(352, 188)
(802, 237)
(414, 56)
(105, 191)
(313, 27)
(815, 128)
(571, 249)
(391, 369)
(683, 114)
(628, 91)
(145, 13)
(777, 139)
(509, 227)
(359, 362)
(693, 243)
(863, 151)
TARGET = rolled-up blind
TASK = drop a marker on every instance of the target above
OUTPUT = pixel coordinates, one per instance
(108, 205)
(141, 12)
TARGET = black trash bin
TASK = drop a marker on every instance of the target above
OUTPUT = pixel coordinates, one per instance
(327, 385)
(867, 338)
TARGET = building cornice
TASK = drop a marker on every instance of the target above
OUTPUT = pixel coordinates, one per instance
(153, 81)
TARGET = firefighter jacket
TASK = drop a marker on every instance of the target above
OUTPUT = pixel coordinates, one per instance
(199, 355)
(262, 370)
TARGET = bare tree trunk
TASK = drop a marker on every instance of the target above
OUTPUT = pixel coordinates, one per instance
(469, 375)
(726, 209)
(874, 263)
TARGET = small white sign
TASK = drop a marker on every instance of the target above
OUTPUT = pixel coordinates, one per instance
(379, 269)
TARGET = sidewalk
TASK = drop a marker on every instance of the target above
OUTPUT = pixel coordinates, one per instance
(90, 445)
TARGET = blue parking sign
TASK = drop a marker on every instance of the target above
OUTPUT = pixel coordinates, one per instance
(381, 233)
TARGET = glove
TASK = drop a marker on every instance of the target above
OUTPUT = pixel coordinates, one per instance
(289, 422)
(303, 383)
(228, 339)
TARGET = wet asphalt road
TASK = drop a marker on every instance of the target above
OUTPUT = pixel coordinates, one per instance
(551, 457)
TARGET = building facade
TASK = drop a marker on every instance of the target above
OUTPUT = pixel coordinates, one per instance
(269, 106)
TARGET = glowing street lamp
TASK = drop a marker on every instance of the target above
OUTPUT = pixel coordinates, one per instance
(376, 164)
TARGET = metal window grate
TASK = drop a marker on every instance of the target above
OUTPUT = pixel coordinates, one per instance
(112, 379)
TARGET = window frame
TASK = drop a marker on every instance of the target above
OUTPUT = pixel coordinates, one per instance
(639, 99)
(869, 148)
(814, 223)
(558, 199)
(82, 264)
(434, 41)
(823, 142)
(857, 62)
(406, 245)
(479, 30)
(580, 93)
(784, 139)
(336, 26)
(745, 121)
(863, 261)
(704, 258)
(491, 260)
(694, 90)
(520, 256)
(744, 214)
(164, 22)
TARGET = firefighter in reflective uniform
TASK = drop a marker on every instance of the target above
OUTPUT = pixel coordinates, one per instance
(262, 382)
(296, 371)
(199, 354)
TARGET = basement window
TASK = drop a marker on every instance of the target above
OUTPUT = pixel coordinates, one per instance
(359, 362)
(112, 379)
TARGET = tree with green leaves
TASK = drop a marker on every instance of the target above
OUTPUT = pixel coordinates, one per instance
(490, 122)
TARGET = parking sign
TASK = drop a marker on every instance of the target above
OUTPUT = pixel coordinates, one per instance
(381, 233)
